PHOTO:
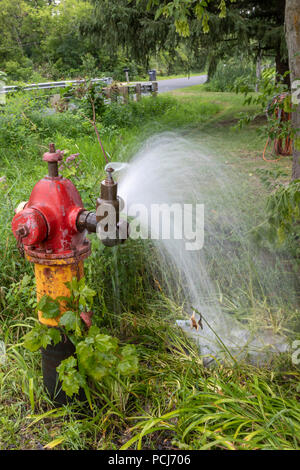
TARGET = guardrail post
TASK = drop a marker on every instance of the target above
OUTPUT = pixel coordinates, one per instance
(154, 88)
(138, 91)
(124, 93)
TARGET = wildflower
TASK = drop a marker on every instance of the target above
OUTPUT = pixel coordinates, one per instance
(72, 157)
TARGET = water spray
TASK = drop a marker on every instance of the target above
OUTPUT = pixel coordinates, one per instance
(170, 170)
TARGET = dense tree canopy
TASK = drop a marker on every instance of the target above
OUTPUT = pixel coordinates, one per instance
(72, 36)
(132, 26)
(245, 26)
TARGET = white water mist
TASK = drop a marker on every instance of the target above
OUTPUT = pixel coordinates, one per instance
(170, 169)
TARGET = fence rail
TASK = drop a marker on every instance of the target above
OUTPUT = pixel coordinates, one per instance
(122, 89)
(111, 91)
(50, 85)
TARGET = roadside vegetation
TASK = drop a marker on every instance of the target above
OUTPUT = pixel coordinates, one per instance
(171, 401)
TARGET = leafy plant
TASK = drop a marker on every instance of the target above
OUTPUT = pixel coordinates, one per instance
(98, 356)
(273, 99)
(282, 209)
(230, 74)
(40, 337)
(49, 307)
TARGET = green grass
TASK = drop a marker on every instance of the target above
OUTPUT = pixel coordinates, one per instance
(173, 402)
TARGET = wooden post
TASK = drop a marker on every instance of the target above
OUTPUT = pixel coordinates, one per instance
(138, 91)
(114, 92)
(107, 92)
(124, 92)
(154, 88)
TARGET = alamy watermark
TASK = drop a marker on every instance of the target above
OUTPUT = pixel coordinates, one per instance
(296, 92)
(3, 79)
(157, 222)
(296, 353)
(2, 94)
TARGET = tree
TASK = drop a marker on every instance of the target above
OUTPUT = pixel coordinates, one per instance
(132, 26)
(63, 44)
(225, 28)
(292, 25)
(181, 12)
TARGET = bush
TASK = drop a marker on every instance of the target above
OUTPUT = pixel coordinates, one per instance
(166, 109)
(68, 124)
(18, 71)
(282, 221)
(131, 114)
(25, 122)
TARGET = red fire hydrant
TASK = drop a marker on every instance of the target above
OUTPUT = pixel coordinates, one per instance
(51, 228)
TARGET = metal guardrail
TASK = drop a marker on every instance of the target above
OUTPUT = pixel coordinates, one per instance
(50, 85)
(111, 91)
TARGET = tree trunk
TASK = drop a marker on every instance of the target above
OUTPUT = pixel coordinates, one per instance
(258, 71)
(282, 66)
(212, 67)
(292, 27)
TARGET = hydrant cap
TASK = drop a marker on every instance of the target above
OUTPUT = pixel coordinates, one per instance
(53, 157)
(29, 226)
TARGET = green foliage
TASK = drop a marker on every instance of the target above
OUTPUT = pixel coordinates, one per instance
(251, 414)
(49, 307)
(72, 380)
(131, 114)
(282, 210)
(3, 76)
(229, 74)
(180, 12)
(89, 99)
(98, 355)
(100, 359)
(81, 294)
(44, 39)
(19, 70)
(70, 322)
(21, 291)
(271, 87)
(135, 72)
(232, 28)
(172, 400)
(40, 337)
(67, 123)
(26, 121)
(129, 29)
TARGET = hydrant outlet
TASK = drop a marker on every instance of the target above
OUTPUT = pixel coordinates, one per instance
(30, 226)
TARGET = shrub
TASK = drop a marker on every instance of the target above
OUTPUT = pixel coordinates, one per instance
(18, 70)
(282, 223)
(131, 114)
(227, 73)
